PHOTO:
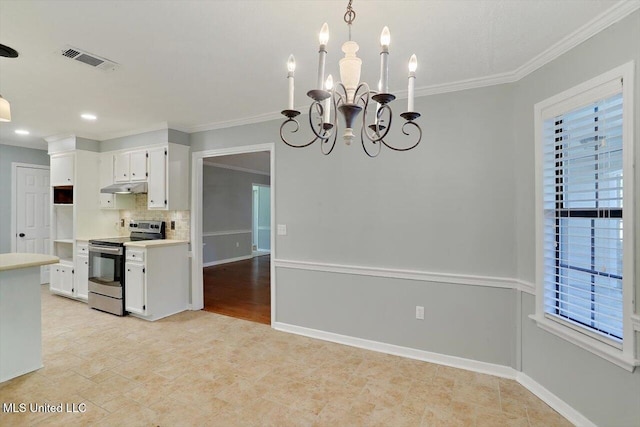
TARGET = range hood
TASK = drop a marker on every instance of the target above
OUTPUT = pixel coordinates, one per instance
(125, 188)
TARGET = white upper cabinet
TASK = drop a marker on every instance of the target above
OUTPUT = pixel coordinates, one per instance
(121, 167)
(157, 186)
(130, 166)
(62, 169)
(168, 181)
(164, 167)
(138, 166)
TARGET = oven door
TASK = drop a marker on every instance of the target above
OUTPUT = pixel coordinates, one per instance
(106, 265)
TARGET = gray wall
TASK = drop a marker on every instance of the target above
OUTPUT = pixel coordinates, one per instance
(8, 155)
(226, 206)
(605, 393)
(445, 207)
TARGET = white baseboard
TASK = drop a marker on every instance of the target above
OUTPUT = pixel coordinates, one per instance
(502, 371)
(226, 261)
(411, 353)
(554, 401)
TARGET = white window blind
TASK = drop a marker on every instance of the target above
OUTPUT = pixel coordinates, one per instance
(583, 235)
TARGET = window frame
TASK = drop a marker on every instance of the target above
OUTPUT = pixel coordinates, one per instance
(622, 354)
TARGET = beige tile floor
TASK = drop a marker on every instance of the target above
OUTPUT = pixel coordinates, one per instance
(200, 368)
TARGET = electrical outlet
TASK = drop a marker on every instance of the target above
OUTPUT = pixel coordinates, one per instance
(122, 222)
(173, 225)
(419, 312)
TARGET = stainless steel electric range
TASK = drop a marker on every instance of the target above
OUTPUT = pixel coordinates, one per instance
(106, 266)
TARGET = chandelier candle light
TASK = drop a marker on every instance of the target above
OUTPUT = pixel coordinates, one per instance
(350, 97)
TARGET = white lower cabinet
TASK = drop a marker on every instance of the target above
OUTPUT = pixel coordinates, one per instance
(82, 277)
(135, 288)
(61, 279)
(156, 280)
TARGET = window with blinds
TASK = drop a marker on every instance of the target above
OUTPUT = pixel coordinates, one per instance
(583, 210)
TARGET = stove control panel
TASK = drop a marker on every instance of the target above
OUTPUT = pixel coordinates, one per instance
(147, 226)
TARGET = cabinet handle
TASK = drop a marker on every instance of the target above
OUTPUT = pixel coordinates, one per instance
(134, 174)
(21, 235)
(152, 201)
(68, 179)
(128, 269)
(86, 262)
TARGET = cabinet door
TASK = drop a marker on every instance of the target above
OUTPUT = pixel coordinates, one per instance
(82, 277)
(62, 170)
(66, 280)
(107, 201)
(134, 288)
(121, 166)
(157, 181)
(54, 278)
(138, 166)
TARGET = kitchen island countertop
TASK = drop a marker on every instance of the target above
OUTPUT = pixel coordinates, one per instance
(14, 261)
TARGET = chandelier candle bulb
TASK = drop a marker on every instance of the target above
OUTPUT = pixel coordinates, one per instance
(327, 102)
(413, 65)
(291, 67)
(385, 39)
(323, 38)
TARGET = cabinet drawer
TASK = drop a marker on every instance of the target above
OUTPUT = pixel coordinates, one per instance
(82, 248)
(135, 255)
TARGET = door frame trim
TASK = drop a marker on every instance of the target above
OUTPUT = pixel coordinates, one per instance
(14, 197)
(197, 281)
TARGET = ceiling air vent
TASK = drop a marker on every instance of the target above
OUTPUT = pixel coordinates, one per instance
(88, 58)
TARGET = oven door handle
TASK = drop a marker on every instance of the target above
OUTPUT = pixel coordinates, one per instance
(105, 250)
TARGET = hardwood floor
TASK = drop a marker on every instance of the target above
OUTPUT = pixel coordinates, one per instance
(240, 289)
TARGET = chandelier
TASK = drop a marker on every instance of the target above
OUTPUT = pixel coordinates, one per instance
(350, 98)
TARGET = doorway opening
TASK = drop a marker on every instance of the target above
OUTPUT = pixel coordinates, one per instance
(236, 235)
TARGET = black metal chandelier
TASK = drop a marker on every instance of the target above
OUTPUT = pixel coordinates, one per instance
(350, 98)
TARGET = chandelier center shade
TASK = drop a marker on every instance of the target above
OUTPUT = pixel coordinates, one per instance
(350, 98)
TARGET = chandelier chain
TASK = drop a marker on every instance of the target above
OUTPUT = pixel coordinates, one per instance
(350, 15)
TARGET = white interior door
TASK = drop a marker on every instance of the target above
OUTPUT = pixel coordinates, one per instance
(32, 213)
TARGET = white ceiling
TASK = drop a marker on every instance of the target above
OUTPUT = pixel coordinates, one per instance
(193, 65)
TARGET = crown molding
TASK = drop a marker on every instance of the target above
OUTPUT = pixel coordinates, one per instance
(493, 80)
(614, 14)
(55, 138)
(236, 122)
(120, 134)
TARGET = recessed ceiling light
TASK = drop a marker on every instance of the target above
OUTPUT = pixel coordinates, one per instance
(22, 132)
(88, 116)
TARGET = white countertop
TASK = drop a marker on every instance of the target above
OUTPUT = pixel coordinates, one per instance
(155, 243)
(14, 261)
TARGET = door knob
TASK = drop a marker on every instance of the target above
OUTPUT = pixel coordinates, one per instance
(21, 235)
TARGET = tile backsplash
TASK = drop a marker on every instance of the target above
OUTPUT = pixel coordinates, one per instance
(182, 218)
